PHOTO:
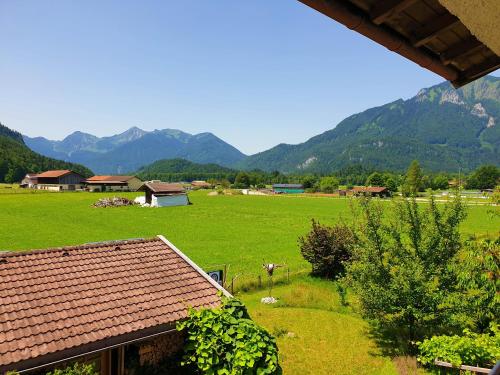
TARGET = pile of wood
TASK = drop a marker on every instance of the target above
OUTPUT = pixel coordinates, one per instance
(114, 202)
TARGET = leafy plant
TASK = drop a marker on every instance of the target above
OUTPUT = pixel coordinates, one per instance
(328, 184)
(469, 349)
(76, 369)
(401, 265)
(327, 249)
(225, 341)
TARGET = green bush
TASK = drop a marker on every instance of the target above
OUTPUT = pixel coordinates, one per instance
(327, 249)
(225, 341)
(76, 369)
(470, 349)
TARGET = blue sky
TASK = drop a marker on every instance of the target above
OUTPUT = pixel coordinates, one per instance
(256, 73)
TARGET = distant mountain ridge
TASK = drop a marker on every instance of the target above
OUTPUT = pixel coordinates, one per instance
(128, 151)
(16, 159)
(445, 129)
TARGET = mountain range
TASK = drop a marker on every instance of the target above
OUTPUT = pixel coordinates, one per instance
(445, 129)
(129, 151)
(16, 159)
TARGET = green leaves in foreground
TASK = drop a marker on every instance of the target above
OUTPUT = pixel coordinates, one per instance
(76, 369)
(225, 341)
(471, 349)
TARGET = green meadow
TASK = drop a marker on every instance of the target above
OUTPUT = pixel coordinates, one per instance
(239, 231)
(315, 333)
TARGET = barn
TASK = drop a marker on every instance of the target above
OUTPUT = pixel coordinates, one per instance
(162, 194)
(114, 304)
(59, 180)
(372, 191)
(113, 183)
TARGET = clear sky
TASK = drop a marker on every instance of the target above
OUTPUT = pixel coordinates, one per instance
(255, 73)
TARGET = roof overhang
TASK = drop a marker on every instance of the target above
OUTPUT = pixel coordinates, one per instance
(423, 31)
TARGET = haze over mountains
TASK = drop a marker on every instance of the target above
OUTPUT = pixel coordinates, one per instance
(445, 129)
(135, 148)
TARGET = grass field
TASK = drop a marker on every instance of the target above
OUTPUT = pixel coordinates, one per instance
(237, 230)
(316, 335)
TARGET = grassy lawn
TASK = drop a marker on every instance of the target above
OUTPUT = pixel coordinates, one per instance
(317, 335)
(237, 230)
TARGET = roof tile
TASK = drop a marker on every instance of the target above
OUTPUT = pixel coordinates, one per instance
(57, 299)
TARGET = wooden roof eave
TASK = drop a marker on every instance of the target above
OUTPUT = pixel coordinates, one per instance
(370, 23)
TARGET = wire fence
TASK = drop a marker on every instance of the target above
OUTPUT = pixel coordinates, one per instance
(249, 281)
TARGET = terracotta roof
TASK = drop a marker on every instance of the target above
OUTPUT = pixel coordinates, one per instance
(200, 183)
(369, 189)
(56, 302)
(109, 179)
(162, 187)
(57, 173)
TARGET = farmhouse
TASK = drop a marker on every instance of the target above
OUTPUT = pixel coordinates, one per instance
(60, 180)
(201, 185)
(288, 188)
(113, 183)
(98, 303)
(29, 181)
(161, 194)
(373, 191)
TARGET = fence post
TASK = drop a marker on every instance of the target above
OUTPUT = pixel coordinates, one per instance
(288, 275)
(232, 285)
(224, 277)
(259, 281)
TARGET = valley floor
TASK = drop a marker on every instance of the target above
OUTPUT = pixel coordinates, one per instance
(316, 334)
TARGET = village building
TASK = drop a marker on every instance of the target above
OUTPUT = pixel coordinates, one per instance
(288, 188)
(372, 191)
(113, 183)
(162, 194)
(201, 185)
(29, 181)
(97, 303)
(59, 180)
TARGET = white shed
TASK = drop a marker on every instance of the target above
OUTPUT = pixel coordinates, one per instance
(161, 194)
(169, 200)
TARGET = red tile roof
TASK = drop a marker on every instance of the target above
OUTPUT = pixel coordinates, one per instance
(369, 189)
(109, 178)
(57, 301)
(200, 183)
(57, 173)
(162, 187)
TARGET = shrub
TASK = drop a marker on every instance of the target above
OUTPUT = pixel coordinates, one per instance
(76, 369)
(470, 349)
(328, 184)
(226, 341)
(327, 249)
